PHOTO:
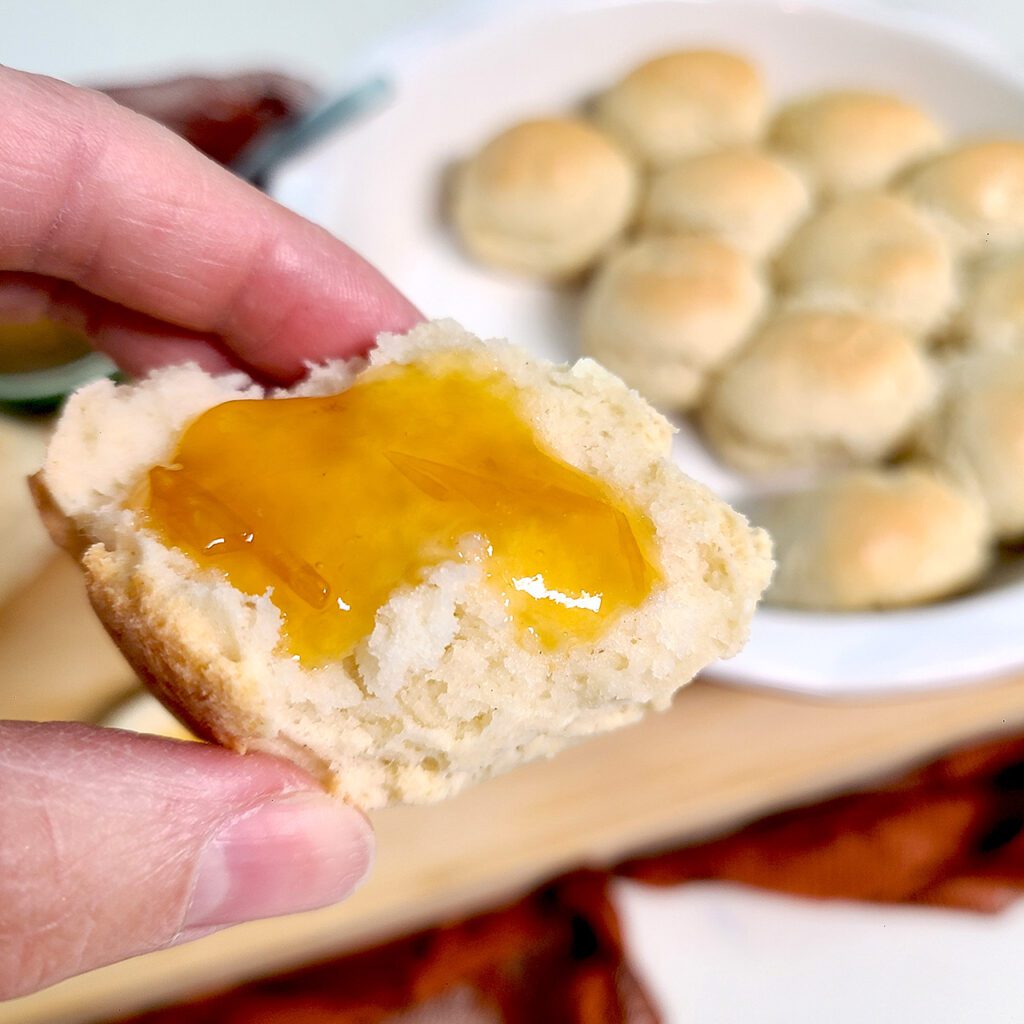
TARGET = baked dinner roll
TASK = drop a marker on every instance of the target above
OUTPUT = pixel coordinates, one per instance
(875, 253)
(845, 141)
(813, 388)
(544, 197)
(875, 538)
(745, 196)
(665, 310)
(435, 567)
(978, 433)
(992, 315)
(976, 194)
(684, 103)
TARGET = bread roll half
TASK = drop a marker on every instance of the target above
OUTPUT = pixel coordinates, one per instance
(445, 689)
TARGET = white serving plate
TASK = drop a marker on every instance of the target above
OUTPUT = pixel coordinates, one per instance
(714, 951)
(377, 183)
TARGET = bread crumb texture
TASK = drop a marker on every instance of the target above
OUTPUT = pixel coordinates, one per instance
(445, 690)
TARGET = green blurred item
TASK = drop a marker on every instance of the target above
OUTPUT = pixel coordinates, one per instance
(41, 362)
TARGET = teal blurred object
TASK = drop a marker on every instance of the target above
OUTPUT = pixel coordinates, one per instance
(266, 152)
(44, 390)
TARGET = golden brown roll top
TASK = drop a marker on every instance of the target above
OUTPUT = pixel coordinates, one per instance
(684, 103)
(544, 197)
(875, 253)
(814, 388)
(745, 196)
(875, 538)
(664, 311)
(846, 141)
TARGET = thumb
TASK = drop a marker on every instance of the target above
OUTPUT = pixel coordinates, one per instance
(113, 844)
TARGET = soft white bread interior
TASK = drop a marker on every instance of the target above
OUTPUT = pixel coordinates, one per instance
(875, 538)
(445, 690)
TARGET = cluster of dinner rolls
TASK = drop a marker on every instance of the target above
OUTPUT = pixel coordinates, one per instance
(829, 286)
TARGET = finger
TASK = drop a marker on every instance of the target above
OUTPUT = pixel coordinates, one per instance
(113, 844)
(96, 195)
(218, 115)
(135, 342)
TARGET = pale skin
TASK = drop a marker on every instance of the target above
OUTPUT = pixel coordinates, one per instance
(113, 844)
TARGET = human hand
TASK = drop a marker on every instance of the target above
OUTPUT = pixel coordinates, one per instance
(113, 844)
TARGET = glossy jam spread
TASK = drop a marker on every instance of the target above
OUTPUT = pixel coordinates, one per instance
(332, 503)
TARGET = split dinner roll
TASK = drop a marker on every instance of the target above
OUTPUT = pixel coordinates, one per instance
(875, 253)
(664, 311)
(683, 103)
(975, 192)
(814, 388)
(544, 197)
(846, 141)
(875, 538)
(447, 687)
(978, 433)
(745, 196)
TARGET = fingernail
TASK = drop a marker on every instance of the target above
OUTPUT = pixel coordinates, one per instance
(292, 853)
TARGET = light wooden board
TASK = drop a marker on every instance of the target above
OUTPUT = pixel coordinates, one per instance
(717, 758)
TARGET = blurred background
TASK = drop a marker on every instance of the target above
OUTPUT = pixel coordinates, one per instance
(84, 42)
(749, 856)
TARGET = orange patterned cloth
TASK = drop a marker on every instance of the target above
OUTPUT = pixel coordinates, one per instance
(555, 956)
(951, 833)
